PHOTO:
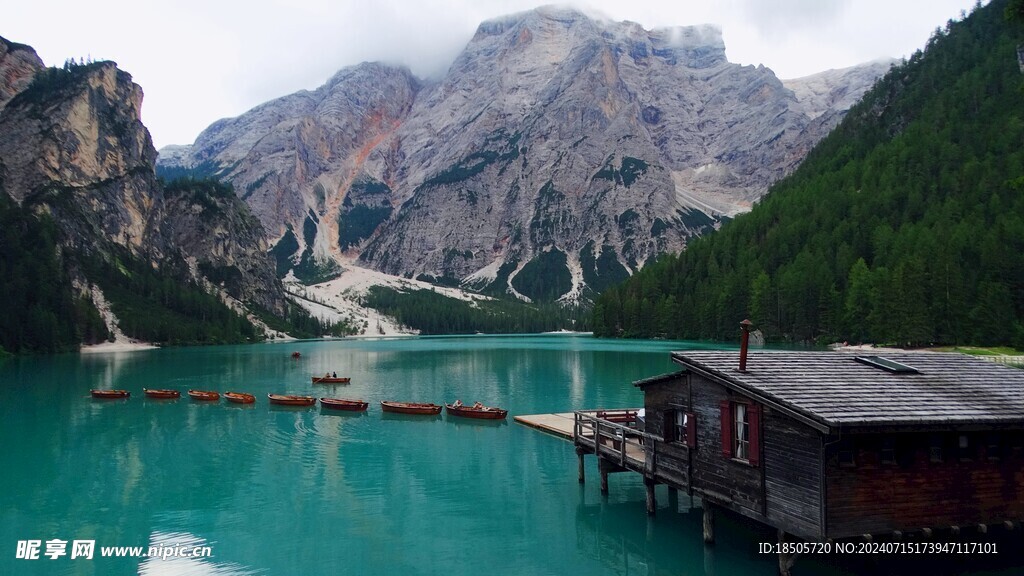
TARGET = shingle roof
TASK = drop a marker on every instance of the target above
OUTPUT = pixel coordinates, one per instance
(660, 378)
(834, 389)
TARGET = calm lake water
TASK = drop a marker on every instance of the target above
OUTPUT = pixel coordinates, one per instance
(300, 491)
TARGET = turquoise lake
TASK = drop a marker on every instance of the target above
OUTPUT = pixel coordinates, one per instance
(286, 491)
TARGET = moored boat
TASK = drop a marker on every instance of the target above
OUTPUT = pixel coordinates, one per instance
(479, 412)
(343, 404)
(410, 407)
(162, 394)
(205, 395)
(288, 400)
(110, 393)
(330, 380)
(239, 397)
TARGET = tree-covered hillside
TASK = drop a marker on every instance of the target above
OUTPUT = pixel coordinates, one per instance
(905, 225)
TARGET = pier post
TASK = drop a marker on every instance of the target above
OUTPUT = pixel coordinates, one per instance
(602, 467)
(582, 468)
(786, 559)
(652, 503)
(709, 523)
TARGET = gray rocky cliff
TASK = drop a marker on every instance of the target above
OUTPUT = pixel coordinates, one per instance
(74, 147)
(557, 155)
(18, 65)
(223, 239)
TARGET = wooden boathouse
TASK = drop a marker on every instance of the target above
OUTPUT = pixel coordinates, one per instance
(828, 445)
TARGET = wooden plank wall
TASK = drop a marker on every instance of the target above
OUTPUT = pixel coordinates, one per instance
(673, 458)
(792, 468)
(727, 482)
(913, 492)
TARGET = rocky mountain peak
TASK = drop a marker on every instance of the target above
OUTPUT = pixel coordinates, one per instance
(18, 65)
(559, 153)
(74, 147)
(72, 132)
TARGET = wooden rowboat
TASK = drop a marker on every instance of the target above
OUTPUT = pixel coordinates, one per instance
(163, 394)
(287, 400)
(343, 404)
(296, 354)
(203, 395)
(481, 413)
(410, 407)
(110, 393)
(327, 380)
(239, 397)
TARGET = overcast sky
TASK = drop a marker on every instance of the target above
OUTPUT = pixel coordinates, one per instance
(201, 60)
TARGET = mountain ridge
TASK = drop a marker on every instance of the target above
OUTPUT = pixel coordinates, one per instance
(77, 169)
(903, 226)
(553, 137)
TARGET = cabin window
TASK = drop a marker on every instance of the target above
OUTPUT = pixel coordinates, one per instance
(888, 451)
(964, 447)
(741, 431)
(674, 429)
(741, 445)
(679, 427)
(936, 450)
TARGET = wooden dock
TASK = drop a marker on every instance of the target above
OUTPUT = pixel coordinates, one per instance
(561, 424)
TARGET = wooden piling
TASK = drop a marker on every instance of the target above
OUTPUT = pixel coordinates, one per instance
(652, 503)
(709, 523)
(602, 468)
(786, 559)
(582, 468)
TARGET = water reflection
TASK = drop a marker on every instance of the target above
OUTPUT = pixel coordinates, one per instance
(167, 545)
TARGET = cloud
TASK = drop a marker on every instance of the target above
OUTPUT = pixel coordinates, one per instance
(199, 61)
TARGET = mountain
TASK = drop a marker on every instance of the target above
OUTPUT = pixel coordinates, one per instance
(557, 156)
(18, 65)
(905, 225)
(77, 172)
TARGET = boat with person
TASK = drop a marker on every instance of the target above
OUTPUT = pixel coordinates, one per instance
(109, 394)
(331, 380)
(344, 404)
(410, 407)
(478, 411)
(290, 400)
(204, 395)
(164, 394)
(239, 397)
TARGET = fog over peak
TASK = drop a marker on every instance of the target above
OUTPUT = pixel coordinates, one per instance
(201, 61)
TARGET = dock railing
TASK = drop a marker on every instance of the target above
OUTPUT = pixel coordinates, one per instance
(613, 434)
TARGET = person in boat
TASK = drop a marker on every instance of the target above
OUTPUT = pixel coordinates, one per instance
(334, 374)
(479, 406)
(457, 403)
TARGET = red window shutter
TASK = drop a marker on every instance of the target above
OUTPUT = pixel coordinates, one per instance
(726, 409)
(754, 420)
(691, 430)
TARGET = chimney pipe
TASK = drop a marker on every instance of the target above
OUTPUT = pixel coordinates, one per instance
(744, 343)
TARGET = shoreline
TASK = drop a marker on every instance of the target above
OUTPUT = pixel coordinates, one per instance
(116, 347)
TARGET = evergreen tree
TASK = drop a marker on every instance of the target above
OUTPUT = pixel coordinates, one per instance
(904, 225)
